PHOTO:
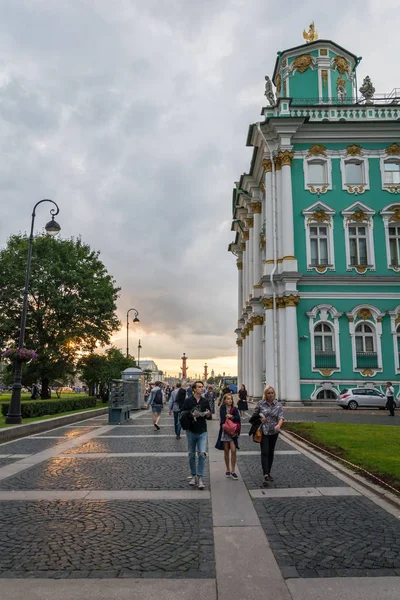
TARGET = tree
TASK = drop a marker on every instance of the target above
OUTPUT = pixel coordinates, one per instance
(98, 369)
(211, 380)
(71, 304)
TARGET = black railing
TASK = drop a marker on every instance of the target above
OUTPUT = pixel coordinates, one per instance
(325, 360)
(367, 360)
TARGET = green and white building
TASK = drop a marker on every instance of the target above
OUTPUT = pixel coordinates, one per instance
(317, 222)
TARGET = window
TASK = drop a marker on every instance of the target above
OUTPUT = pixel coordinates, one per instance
(394, 245)
(366, 356)
(358, 245)
(364, 338)
(319, 245)
(391, 172)
(354, 171)
(317, 172)
(325, 355)
(398, 340)
(326, 395)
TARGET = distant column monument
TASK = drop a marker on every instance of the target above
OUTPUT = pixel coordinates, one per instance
(205, 372)
(184, 366)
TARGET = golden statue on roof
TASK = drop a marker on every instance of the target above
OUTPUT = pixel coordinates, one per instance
(312, 34)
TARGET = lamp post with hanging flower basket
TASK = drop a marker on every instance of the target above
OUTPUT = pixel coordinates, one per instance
(22, 355)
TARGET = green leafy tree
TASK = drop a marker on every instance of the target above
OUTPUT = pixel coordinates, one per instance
(211, 380)
(98, 369)
(71, 304)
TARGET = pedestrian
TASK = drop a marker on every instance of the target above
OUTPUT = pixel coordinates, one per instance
(268, 415)
(189, 391)
(390, 403)
(156, 401)
(210, 395)
(225, 390)
(176, 402)
(196, 433)
(242, 403)
(227, 442)
(34, 392)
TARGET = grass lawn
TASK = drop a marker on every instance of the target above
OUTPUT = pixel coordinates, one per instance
(375, 448)
(4, 398)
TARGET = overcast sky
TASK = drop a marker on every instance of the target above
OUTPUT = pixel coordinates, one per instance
(133, 115)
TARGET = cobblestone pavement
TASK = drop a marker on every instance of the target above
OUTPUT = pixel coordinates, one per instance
(67, 431)
(331, 537)
(289, 471)
(114, 473)
(148, 430)
(106, 539)
(30, 445)
(102, 444)
(7, 461)
(246, 443)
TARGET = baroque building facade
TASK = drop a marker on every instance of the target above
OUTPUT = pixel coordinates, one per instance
(317, 224)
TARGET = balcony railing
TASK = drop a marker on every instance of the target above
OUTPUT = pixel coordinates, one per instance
(367, 360)
(325, 360)
(380, 99)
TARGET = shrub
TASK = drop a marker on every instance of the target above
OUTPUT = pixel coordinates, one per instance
(39, 408)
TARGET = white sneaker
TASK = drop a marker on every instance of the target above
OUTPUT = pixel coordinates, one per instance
(193, 481)
(200, 484)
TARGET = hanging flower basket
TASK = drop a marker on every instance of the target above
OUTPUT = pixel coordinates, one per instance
(22, 354)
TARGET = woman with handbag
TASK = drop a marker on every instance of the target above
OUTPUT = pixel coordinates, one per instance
(242, 404)
(229, 432)
(267, 419)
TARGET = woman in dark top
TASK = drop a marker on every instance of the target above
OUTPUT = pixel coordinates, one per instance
(225, 442)
(242, 404)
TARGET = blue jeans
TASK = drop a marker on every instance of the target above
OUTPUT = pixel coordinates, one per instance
(177, 423)
(197, 441)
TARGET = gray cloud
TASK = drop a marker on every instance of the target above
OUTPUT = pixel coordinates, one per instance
(134, 119)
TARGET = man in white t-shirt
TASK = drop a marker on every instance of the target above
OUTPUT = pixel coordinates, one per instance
(390, 404)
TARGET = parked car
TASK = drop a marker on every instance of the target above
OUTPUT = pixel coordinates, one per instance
(353, 398)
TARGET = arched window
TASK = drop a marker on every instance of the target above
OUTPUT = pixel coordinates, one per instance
(391, 171)
(366, 354)
(326, 395)
(317, 172)
(324, 346)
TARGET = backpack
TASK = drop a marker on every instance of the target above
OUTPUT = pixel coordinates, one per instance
(158, 399)
(186, 419)
(180, 398)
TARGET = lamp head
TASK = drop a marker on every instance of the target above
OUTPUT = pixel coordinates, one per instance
(136, 320)
(53, 227)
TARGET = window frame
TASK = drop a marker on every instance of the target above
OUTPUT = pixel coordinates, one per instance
(374, 321)
(312, 219)
(324, 314)
(317, 188)
(390, 214)
(355, 188)
(389, 187)
(352, 217)
(395, 331)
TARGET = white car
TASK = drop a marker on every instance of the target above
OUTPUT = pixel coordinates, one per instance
(362, 397)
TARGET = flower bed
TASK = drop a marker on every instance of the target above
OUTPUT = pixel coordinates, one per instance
(39, 408)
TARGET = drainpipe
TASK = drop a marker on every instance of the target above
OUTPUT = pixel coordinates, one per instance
(272, 274)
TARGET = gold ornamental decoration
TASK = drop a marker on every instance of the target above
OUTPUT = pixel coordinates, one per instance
(326, 372)
(317, 190)
(316, 150)
(267, 165)
(393, 189)
(367, 373)
(239, 343)
(262, 240)
(262, 187)
(393, 150)
(358, 216)
(341, 81)
(256, 207)
(291, 300)
(243, 246)
(321, 268)
(302, 62)
(258, 320)
(311, 35)
(341, 64)
(239, 265)
(280, 303)
(286, 158)
(397, 321)
(268, 303)
(324, 76)
(354, 150)
(278, 83)
(364, 314)
(395, 218)
(361, 269)
(277, 163)
(356, 189)
(246, 235)
(250, 222)
(320, 216)
(323, 52)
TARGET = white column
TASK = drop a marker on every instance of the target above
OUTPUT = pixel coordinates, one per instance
(239, 264)
(258, 323)
(287, 206)
(251, 258)
(246, 276)
(240, 361)
(250, 360)
(246, 362)
(279, 226)
(269, 353)
(256, 206)
(283, 372)
(269, 219)
(292, 349)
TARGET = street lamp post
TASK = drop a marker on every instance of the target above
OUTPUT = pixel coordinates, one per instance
(138, 353)
(135, 320)
(14, 410)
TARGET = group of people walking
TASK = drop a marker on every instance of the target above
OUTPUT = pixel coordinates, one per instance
(193, 407)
